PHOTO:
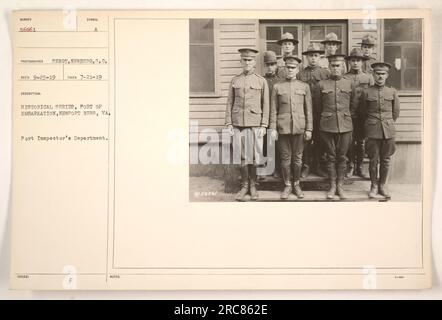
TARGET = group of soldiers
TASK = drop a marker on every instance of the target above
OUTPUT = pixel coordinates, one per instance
(323, 118)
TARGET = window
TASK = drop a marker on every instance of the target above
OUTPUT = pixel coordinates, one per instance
(316, 33)
(403, 50)
(274, 32)
(304, 31)
(202, 64)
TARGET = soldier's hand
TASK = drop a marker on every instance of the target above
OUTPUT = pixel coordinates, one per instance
(230, 130)
(307, 135)
(261, 132)
(273, 134)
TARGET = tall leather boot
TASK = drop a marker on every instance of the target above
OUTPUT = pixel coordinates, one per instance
(244, 170)
(306, 159)
(296, 187)
(252, 176)
(322, 156)
(318, 161)
(341, 175)
(277, 172)
(383, 175)
(305, 170)
(332, 180)
(286, 177)
(373, 170)
(319, 170)
(350, 169)
(360, 152)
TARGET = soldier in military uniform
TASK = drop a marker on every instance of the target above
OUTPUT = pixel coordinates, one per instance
(287, 43)
(367, 46)
(271, 75)
(331, 43)
(312, 74)
(361, 80)
(379, 107)
(271, 69)
(337, 98)
(247, 115)
(291, 122)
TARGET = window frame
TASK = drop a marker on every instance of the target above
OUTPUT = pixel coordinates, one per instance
(303, 33)
(263, 33)
(263, 36)
(216, 57)
(325, 23)
(403, 92)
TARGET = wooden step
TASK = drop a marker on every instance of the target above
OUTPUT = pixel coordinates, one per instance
(317, 196)
(312, 182)
(232, 181)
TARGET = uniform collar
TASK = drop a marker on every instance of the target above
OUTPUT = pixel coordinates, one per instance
(353, 71)
(335, 78)
(378, 86)
(248, 73)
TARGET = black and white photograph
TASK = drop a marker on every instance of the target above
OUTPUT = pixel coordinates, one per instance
(268, 151)
(305, 110)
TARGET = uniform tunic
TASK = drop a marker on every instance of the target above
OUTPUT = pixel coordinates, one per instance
(291, 115)
(366, 65)
(271, 80)
(380, 107)
(281, 72)
(312, 76)
(313, 153)
(337, 98)
(247, 109)
(291, 107)
(248, 101)
(361, 80)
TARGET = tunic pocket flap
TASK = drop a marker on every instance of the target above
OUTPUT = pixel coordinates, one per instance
(236, 85)
(256, 111)
(300, 92)
(326, 114)
(255, 86)
(283, 115)
(236, 110)
(371, 121)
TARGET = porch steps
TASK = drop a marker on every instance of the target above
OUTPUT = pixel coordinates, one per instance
(316, 196)
(310, 183)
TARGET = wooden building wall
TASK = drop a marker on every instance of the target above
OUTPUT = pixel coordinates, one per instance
(231, 35)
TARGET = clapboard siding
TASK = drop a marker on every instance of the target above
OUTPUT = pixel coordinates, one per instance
(409, 123)
(209, 112)
(207, 108)
(357, 29)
